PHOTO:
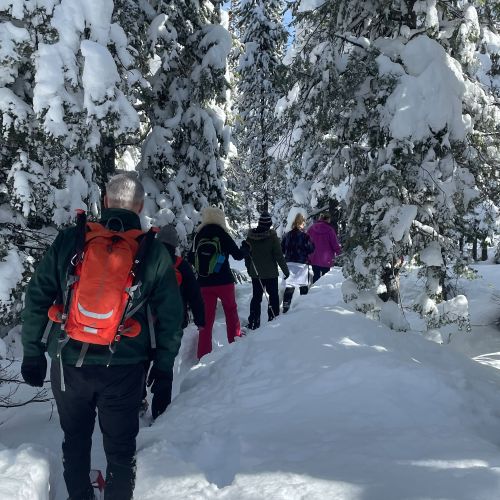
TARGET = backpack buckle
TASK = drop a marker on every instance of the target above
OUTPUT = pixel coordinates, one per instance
(131, 290)
(76, 259)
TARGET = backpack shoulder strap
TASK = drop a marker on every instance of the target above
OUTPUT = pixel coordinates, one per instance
(135, 233)
(144, 245)
(145, 242)
(81, 222)
(65, 297)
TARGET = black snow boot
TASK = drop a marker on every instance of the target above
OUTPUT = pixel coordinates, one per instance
(287, 298)
(87, 495)
(253, 323)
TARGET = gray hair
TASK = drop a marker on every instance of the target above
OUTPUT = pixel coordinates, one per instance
(124, 191)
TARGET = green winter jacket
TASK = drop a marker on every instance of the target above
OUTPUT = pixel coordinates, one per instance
(159, 284)
(266, 254)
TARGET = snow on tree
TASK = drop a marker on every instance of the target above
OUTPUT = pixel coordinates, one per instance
(237, 202)
(485, 165)
(260, 78)
(66, 83)
(184, 154)
(386, 97)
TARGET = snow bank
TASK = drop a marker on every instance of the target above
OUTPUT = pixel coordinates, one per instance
(322, 403)
(24, 473)
(325, 403)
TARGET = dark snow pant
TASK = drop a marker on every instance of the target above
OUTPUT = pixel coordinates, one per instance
(273, 307)
(319, 271)
(287, 296)
(116, 393)
(147, 366)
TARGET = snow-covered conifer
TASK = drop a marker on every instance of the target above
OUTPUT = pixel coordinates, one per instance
(66, 95)
(260, 79)
(186, 148)
(386, 99)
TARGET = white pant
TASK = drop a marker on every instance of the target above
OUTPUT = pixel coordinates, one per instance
(299, 274)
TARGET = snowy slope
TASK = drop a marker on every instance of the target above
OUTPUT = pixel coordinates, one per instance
(323, 403)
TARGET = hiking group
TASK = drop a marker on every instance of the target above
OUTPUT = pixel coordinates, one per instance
(108, 303)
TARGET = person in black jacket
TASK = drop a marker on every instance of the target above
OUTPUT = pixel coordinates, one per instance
(191, 299)
(296, 246)
(189, 287)
(212, 247)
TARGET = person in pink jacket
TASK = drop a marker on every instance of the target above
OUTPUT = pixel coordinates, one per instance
(326, 246)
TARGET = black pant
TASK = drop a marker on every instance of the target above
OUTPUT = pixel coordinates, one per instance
(116, 392)
(273, 308)
(287, 297)
(318, 271)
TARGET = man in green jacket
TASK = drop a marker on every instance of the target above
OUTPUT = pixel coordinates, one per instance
(262, 266)
(114, 390)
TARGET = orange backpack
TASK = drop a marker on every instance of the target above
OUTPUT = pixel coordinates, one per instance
(101, 285)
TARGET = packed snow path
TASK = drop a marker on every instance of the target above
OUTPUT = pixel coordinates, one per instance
(322, 403)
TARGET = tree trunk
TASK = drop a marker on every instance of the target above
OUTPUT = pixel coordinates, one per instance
(484, 251)
(474, 249)
(108, 164)
(264, 205)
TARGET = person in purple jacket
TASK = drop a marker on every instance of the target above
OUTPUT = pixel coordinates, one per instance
(326, 246)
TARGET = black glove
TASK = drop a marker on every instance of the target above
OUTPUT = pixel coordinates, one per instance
(34, 369)
(161, 387)
(286, 275)
(246, 249)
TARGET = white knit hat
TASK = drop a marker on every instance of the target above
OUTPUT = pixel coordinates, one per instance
(212, 215)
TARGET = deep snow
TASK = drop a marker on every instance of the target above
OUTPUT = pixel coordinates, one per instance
(322, 403)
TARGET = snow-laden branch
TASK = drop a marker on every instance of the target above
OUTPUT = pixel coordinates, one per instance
(426, 230)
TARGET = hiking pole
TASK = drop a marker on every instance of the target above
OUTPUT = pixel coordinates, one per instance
(264, 291)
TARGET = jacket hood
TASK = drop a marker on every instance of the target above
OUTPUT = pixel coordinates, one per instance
(120, 218)
(320, 227)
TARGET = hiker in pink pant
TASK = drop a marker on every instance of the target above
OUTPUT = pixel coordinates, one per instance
(226, 294)
(212, 247)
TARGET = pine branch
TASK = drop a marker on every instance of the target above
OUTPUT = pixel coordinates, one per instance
(37, 398)
(6, 400)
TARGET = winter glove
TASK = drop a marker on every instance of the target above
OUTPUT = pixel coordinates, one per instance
(34, 369)
(246, 249)
(286, 275)
(161, 387)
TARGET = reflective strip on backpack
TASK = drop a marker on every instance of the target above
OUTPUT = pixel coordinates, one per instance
(150, 318)
(94, 315)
